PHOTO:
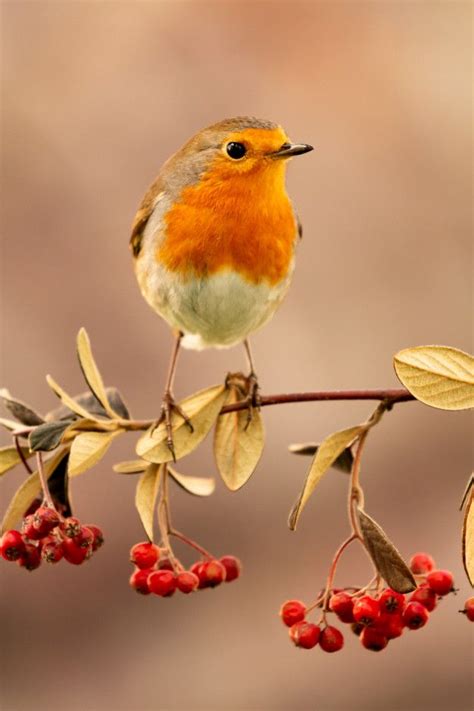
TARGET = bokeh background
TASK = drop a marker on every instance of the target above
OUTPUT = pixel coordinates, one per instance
(96, 95)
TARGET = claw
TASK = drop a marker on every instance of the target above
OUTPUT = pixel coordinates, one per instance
(169, 405)
(253, 398)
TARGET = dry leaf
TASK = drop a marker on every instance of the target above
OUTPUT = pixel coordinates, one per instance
(238, 447)
(23, 413)
(10, 425)
(343, 463)
(9, 458)
(88, 448)
(132, 467)
(90, 403)
(439, 376)
(468, 539)
(29, 490)
(145, 497)
(67, 400)
(202, 408)
(385, 556)
(91, 372)
(48, 436)
(198, 486)
(328, 452)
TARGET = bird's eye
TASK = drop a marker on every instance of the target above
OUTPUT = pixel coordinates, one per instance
(236, 150)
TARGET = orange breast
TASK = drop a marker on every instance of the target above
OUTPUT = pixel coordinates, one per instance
(245, 223)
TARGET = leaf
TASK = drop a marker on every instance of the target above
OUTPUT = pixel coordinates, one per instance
(439, 376)
(23, 413)
(67, 400)
(343, 462)
(91, 372)
(29, 490)
(196, 485)
(133, 467)
(117, 402)
(59, 487)
(9, 458)
(87, 449)
(468, 539)
(385, 556)
(202, 408)
(238, 443)
(10, 425)
(89, 402)
(146, 494)
(48, 436)
(328, 452)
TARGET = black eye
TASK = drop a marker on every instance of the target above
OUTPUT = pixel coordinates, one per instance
(236, 150)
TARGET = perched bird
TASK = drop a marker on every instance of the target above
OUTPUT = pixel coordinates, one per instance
(214, 239)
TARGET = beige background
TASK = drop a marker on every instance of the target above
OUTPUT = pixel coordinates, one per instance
(96, 95)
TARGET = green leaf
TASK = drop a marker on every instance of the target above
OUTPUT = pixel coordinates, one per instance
(91, 372)
(23, 413)
(9, 458)
(87, 450)
(67, 400)
(196, 485)
(89, 402)
(385, 556)
(130, 467)
(48, 436)
(439, 376)
(343, 463)
(202, 408)
(145, 497)
(328, 452)
(29, 490)
(238, 443)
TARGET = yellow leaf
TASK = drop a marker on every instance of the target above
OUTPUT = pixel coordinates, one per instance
(439, 376)
(328, 451)
(238, 444)
(78, 426)
(68, 400)
(9, 458)
(145, 497)
(468, 539)
(91, 372)
(133, 467)
(29, 490)
(87, 449)
(202, 408)
(196, 485)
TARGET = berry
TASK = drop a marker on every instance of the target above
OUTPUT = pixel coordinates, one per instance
(85, 538)
(213, 573)
(12, 545)
(366, 610)
(425, 596)
(165, 564)
(73, 553)
(469, 609)
(162, 582)
(372, 639)
(29, 531)
(30, 558)
(233, 567)
(441, 581)
(139, 581)
(187, 582)
(305, 634)
(292, 612)
(357, 628)
(198, 569)
(421, 563)
(144, 555)
(343, 605)
(391, 601)
(98, 536)
(415, 616)
(390, 625)
(331, 639)
(45, 519)
(71, 526)
(51, 550)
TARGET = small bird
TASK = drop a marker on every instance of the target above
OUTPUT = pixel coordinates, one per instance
(214, 240)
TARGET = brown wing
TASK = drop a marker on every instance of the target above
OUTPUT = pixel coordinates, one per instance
(143, 215)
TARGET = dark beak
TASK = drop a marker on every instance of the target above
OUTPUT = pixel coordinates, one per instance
(288, 150)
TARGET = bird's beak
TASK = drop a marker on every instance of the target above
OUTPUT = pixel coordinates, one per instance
(288, 150)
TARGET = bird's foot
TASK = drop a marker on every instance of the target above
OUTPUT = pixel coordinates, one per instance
(168, 406)
(253, 397)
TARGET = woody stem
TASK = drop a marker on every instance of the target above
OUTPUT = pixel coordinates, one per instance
(189, 542)
(44, 482)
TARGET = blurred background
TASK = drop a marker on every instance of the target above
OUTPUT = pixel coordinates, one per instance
(96, 95)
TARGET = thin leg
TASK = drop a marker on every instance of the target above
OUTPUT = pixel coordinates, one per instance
(253, 387)
(248, 352)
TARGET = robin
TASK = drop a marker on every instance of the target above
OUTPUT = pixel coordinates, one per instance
(214, 240)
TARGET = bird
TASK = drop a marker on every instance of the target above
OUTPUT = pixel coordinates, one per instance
(214, 240)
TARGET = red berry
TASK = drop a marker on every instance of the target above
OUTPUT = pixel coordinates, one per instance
(366, 610)
(233, 567)
(469, 609)
(85, 538)
(425, 596)
(331, 639)
(29, 531)
(421, 563)
(12, 545)
(187, 582)
(213, 573)
(198, 569)
(357, 628)
(292, 612)
(390, 625)
(162, 582)
(372, 639)
(343, 605)
(45, 519)
(441, 581)
(144, 555)
(52, 550)
(30, 558)
(98, 536)
(415, 616)
(73, 553)
(71, 526)
(305, 634)
(391, 601)
(139, 581)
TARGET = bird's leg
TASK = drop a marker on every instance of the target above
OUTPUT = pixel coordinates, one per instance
(168, 403)
(253, 397)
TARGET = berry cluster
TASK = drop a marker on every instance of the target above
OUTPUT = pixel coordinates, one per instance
(375, 618)
(46, 536)
(162, 576)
